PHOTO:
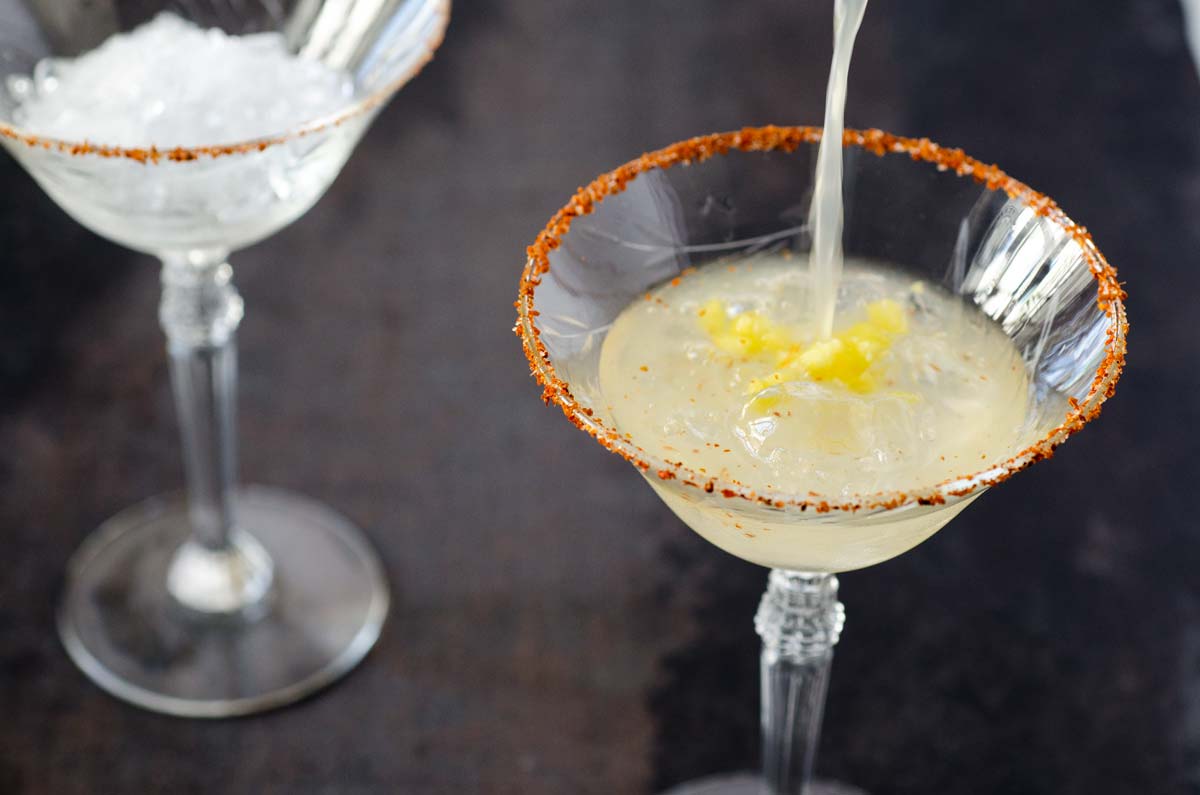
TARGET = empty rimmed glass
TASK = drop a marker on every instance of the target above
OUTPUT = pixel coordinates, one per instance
(231, 600)
(935, 213)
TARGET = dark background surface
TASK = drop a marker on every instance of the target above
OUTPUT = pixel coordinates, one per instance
(555, 629)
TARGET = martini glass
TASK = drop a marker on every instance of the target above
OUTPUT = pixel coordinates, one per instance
(935, 213)
(227, 600)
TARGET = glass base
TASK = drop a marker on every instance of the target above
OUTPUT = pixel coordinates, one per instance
(325, 610)
(750, 784)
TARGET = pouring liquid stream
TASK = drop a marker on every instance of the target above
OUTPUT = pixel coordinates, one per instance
(826, 215)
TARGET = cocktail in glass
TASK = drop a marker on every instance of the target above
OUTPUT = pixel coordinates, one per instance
(934, 215)
(232, 599)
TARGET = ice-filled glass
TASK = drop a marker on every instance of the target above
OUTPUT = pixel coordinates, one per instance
(188, 131)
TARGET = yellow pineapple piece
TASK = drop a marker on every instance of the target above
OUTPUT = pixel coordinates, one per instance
(846, 357)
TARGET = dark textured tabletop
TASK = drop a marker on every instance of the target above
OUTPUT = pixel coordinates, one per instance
(555, 629)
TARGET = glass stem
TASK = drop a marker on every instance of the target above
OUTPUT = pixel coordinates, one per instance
(799, 620)
(219, 569)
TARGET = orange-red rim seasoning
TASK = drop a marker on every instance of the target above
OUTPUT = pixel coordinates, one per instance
(1109, 297)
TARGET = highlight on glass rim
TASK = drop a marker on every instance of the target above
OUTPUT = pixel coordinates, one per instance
(822, 275)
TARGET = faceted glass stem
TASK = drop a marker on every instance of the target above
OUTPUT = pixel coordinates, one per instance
(799, 620)
(220, 569)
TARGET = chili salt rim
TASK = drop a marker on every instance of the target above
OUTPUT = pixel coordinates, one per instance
(185, 154)
(1109, 297)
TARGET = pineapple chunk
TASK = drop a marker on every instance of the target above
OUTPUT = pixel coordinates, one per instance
(846, 357)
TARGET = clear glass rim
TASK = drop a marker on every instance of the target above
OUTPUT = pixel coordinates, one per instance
(1110, 298)
(184, 154)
